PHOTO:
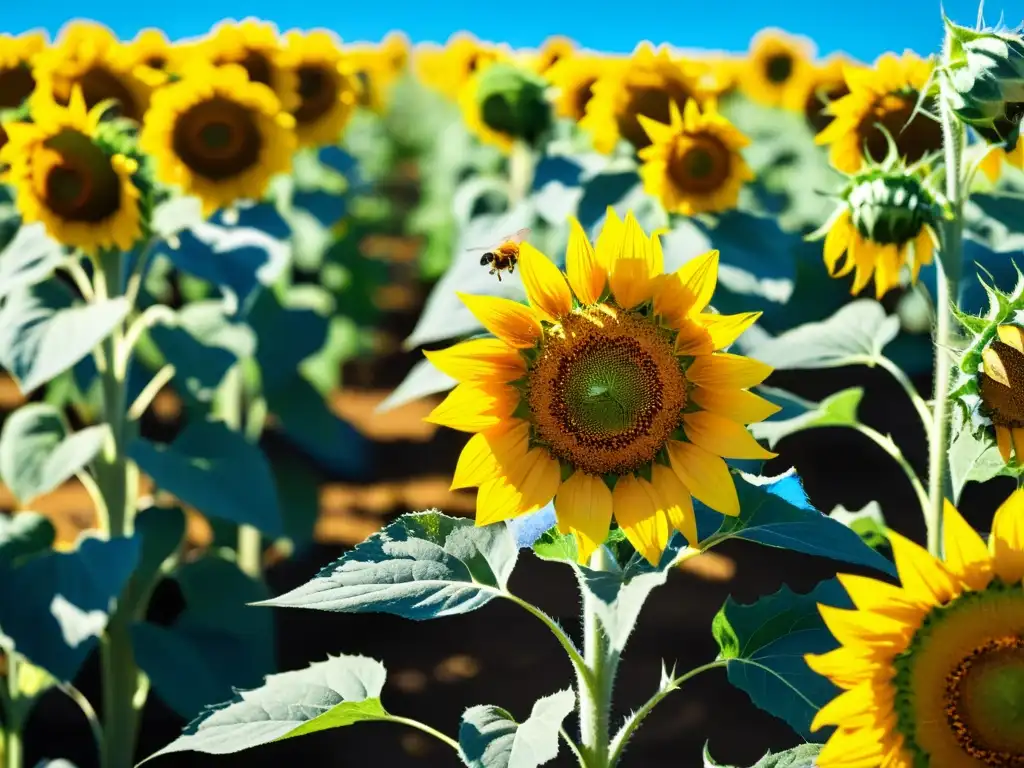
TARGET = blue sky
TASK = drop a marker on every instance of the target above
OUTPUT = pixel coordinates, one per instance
(864, 28)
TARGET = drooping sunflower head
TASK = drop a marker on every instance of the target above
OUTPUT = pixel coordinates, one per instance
(218, 135)
(822, 84)
(886, 221)
(644, 85)
(881, 104)
(17, 54)
(88, 56)
(932, 672)
(504, 103)
(573, 78)
(555, 49)
(775, 63)
(79, 176)
(609, 392)
(447, 69)
(694, 164)
(255, 46)
(376, 68)
(328, 90)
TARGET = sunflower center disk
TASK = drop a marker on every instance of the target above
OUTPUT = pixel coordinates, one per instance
(606, 392)
(76, 179)
(700, 167)
(218, 139)
(16, 85)
(1005, 404)
(318, 92)
(914, 137)
(985, 702)
(779, 67)
(99, 85)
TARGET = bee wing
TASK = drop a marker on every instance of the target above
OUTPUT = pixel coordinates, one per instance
(519, 236)
(480, 248)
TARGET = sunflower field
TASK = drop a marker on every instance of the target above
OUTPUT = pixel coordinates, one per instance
(306, 344)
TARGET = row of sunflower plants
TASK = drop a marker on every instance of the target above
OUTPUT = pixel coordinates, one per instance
(184, 218)
(615, 401)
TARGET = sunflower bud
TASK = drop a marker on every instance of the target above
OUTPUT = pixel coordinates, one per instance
(891, 208)
(512, 102)
(986, 75)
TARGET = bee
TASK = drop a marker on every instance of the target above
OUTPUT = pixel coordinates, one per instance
(504, 256)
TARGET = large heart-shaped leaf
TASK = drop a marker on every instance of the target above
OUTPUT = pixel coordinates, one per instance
(341, 691)
(764, 645)
(804, 756)
(23, 535)
(217, 471)
(838, 410)
(423, 566)
(490, 738)
(38, 452)
(30, 257)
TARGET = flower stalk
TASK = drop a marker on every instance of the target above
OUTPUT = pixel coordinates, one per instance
(948, 274)
(595, 694)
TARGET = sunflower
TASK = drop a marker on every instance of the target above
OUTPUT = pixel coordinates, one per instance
(992, 162)
(503, 103)
(218, 135)
(932, 672)
(722, 76)
(327, 88)
(89, 56)
(885, 96)
(821, 84)
(16, 57)
(65, 175)
(449, 68)
(157, 55)
(609, 393)
(555, 49)
(573, 78)
(255, 46)
(887, 220)
(644, 85)
(694, 164)
(775, 63)
(1001, 389)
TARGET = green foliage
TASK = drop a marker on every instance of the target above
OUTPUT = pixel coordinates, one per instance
(867, 522)
(30, 257)
(764, 646)
(489, 737)
(803, 756)
(425, 565)
(24, 535)
(838, 410)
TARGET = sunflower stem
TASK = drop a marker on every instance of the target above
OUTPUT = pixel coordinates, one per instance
(950, 266)
(602, 661)
(522, 164)
(117, 481)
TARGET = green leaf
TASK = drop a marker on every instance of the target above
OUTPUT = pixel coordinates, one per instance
(838, 410)
(37, 453)
(217, 471)
(341, 691)
(30, 257)
(161, 530)
(867, 522)
(23, 535)
(556, 547)
(803, 756)
(856, 334)
(42, 335)
(764, 646)
(55, 606)
(490, 738)
(199, 367)
(217, 642)
(424, 565)
(975, 457)
(776, 512)
(422, 380)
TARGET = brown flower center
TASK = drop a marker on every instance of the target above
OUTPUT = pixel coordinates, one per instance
(652, 102)
(607, 391)
(984, 703)
(218, 139)
(16, 85)
(818, 99)
(778, 68)
(99, 85)
(1004, 404)
(318, 93)
(701, 166)
(256, 65)
(914, 137)
(76, 179)
(582, 94)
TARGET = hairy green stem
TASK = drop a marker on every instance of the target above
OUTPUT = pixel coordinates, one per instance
(948, 273)
(595, 698)
(425, 729)
(887, 445)
(117, 481)
(522, 164)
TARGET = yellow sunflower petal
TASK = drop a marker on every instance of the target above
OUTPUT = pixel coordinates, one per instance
(1007, 539)
(474, 407)
(859, 748)
(676, 502)
(1003, 442)
(923, 577)
(706, 476)
(689, 289)
(864, 628)
(636, 511)
(737, 404)
(584, 509)
(479, 360)
(546, 289)
(631, 272)
(609, 240)
(529, 484)
(514, 323)
(846, 666)
(965, 552)
(722, 436)
(727, 370)
(725, 329)
(586, 276)
(485, 453)
(850, 708)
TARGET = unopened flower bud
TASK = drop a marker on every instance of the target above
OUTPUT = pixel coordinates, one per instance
(512, 102)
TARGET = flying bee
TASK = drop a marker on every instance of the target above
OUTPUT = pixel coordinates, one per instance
(504, 256)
